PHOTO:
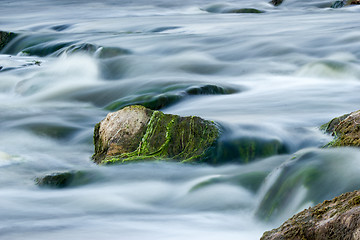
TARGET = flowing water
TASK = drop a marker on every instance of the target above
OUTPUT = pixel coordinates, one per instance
(276, 75)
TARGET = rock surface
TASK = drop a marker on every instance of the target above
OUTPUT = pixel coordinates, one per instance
(5, 38)
(342, 3)
(136, 133)
(276, 2)
(65, 179)
(336, 4)
(338, 218)
(345, 129)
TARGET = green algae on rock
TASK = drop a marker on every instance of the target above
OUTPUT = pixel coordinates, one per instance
(5, 38)
(136, 133)
(338, 218)
(345, 129)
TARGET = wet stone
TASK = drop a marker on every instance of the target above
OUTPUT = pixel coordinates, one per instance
(136, 133)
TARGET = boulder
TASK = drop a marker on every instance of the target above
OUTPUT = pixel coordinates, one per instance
(345, 129)
(338, 218)
(136, 133)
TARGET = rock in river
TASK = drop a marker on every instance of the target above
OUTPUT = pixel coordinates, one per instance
(338, 218)
(136, 133)
(66, 179)
(5, 38)
(345, 129)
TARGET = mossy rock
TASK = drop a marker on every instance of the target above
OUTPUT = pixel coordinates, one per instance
(345, 129)
(65, 179)
(5, 38)
(136, 133)
(338, 218)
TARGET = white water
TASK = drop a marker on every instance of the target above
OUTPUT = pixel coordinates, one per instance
(294, 68)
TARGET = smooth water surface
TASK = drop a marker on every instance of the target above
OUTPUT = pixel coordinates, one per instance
(277, 75)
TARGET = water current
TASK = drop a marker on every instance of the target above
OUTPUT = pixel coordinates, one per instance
(271, 76)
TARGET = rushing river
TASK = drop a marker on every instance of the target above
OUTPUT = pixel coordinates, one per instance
(271, 76)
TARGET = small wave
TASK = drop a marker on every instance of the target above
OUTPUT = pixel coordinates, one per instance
(50, 45)
(306, 178)
(331, 69)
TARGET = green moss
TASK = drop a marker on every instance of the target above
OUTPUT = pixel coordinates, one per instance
(171, 137)
(355, 200)
(100, 150)
(5, 38)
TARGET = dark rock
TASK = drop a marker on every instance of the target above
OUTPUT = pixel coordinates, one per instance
(60, 28)
(342, 3)
(345, 129)
(168, 97)
(245, 10)
(65, 179)
(338, 218)
(136, 133)
(247, 149)
(5, 38)
(276, 2)
(338, 4)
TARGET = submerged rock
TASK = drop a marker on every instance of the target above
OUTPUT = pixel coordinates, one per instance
(251, 181)
(245, 10)
(338, 218)
(345, 129)
(168, 96)
(247, 149)
(65, 179)
(276, 2)
(5, 38)
(340, 4)
(136, 133)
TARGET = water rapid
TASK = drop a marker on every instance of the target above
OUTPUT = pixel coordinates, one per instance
(273, 75)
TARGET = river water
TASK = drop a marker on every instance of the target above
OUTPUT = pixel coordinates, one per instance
(277, 75)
